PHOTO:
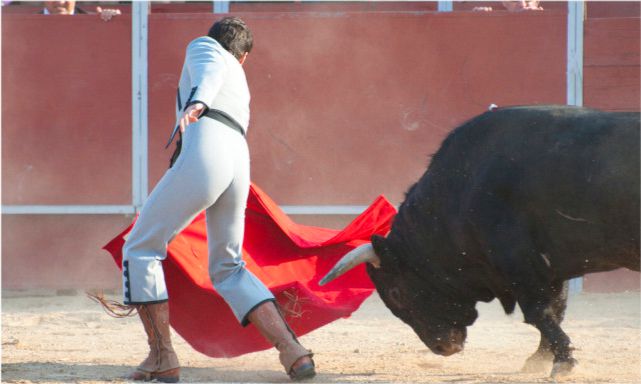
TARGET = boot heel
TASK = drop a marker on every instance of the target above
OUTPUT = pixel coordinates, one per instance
(169, 376)
(271, 324)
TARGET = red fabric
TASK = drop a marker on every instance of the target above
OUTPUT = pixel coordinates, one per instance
(289, 258)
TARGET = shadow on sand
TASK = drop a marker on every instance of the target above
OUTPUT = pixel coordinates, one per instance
(38, 372)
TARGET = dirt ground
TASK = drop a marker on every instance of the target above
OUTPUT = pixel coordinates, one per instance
(68, 339)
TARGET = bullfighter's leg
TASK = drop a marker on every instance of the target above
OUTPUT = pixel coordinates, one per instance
(199, 176)
(538, 311)
(540, 359)
(248, 297)
(225, 230)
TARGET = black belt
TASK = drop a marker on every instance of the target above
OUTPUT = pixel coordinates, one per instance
(225, 119)
(218, 116)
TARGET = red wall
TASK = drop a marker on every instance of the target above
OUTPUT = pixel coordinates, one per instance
(66, 110)
(339, 98)
(345, 106)
(611, 79)
(66, 139)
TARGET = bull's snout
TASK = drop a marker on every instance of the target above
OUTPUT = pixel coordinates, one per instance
(446, 348)
(449, 343)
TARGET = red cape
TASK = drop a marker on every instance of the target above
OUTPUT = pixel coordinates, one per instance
(289, 258)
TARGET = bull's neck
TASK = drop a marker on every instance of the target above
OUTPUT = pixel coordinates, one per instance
(423, 240)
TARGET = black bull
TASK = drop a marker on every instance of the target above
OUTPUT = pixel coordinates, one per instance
(514, 203)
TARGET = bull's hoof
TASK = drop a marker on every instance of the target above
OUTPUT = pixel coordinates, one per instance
(537, 364)
(562, 368)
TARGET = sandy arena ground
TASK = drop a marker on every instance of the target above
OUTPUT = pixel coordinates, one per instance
(68, 339)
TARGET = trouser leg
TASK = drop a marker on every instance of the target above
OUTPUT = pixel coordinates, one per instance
(171, 206)
(225, 229)
(247, 296)
(203, 171)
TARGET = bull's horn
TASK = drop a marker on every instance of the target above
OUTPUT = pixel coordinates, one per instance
(363, 254)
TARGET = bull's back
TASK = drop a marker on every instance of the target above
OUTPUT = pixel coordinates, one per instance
(568, 176)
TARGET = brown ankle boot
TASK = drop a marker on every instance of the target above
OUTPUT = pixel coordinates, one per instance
(162, 363)
(294, 357)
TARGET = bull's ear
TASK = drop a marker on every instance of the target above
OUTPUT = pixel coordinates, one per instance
(384, 252)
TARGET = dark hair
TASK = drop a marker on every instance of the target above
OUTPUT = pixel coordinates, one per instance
(233, 34)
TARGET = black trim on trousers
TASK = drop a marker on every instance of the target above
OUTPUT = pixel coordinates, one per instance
(125, 274)
(145, 302)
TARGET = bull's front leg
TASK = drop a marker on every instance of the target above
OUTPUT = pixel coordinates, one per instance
(538, 313)
(541, 359)
(560, 345)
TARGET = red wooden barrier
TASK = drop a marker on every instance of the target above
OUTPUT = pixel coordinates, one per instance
(349, 106)
(611, 82)
(66, 110)
(345, 106)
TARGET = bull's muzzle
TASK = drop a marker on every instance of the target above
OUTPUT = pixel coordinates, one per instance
(447, 349)
(446, 343)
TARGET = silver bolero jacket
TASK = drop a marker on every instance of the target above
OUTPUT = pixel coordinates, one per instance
(213, 76)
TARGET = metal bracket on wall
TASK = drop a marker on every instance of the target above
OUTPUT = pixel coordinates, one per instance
(445, 6)
(139, 97)
(221, 6)
(576, 16)
(574, 77)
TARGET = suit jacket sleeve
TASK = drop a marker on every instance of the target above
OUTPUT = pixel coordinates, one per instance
(207, 68)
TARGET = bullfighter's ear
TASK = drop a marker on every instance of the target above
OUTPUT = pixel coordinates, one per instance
(383, 250)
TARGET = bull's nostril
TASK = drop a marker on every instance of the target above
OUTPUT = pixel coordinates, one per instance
(439, 349)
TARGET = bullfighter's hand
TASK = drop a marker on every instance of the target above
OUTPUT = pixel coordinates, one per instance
(191, 115)
(107, 14)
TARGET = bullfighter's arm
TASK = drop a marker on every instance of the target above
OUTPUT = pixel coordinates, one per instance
(207, 68)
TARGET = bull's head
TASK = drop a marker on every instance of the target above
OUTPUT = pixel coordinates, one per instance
(439, 321)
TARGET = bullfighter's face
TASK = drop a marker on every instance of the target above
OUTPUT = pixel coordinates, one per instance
(438, 322)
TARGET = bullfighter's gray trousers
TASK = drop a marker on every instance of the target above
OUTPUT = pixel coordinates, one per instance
(212, 174)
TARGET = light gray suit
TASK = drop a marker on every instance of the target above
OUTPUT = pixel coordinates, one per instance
(211, 174)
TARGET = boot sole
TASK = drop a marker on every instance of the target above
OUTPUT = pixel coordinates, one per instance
(150, 376)
(166, 379)
(158, 379)
(304, 372)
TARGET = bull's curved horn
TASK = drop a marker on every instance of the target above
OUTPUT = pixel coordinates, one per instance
(363, 254)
